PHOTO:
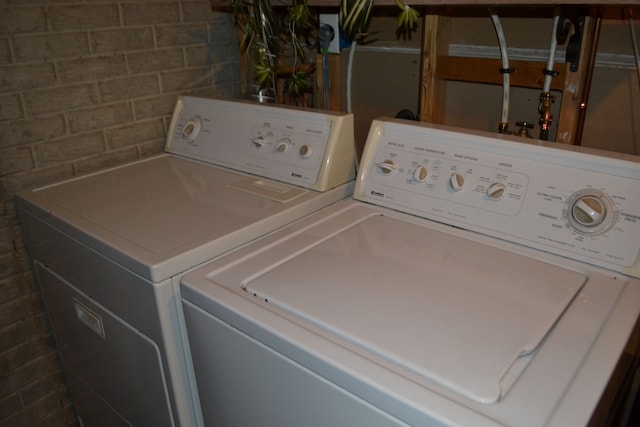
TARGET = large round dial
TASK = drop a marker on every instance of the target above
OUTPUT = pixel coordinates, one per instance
(590, 211)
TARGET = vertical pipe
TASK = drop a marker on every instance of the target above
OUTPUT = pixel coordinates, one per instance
(504, 120)
(636, 54)
(325, 78)
(582, 109)
(553, 44)
(634, 43)
(352, 51)
(546, 99)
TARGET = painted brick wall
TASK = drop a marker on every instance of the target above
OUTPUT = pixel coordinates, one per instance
(85, 85)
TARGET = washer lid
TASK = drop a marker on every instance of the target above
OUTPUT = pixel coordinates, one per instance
(447, 309)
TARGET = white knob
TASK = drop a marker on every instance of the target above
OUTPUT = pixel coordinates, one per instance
(387, 166)
(258, 141)
(420, 173)
(589, 211)
(282, 145)
(496, 191)
(457, 181)
(191, 129)
(305, 151)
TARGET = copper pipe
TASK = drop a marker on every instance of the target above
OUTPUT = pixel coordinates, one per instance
(546, 118)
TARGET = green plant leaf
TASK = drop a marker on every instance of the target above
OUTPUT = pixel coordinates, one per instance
(354, 17)
(407, 18)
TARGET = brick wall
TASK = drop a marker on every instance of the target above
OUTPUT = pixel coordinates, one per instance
(85, 85)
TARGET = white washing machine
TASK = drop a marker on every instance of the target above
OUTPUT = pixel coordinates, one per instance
(472, 281)
(109, 248)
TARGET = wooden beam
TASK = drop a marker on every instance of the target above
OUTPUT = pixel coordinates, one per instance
(576, 85)
(432, 92)
(335, 3)
(482, 70)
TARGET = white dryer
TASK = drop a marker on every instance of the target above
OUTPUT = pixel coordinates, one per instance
(473, 280)
(109, 248)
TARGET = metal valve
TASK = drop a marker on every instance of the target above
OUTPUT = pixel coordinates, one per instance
(524, 128)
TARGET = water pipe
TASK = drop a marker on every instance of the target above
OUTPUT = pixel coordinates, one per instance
(634, 42)
(553, 44)
(636, 54)
(546, 99)
(352, 52)
(584, 102)
(505, 70)
(326, 33)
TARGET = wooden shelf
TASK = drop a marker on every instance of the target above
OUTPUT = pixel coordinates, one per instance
(335, 3)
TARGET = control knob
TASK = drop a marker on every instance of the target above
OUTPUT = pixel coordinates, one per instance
(282, 145)
(457, 181)
(590, 211)
(191, 129)
(496, 191)
(387, 166)
(420, 173)
(259, 141)
(305, 151)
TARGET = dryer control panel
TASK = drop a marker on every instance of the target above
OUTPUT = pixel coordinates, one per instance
(567, 200)
(310, 148)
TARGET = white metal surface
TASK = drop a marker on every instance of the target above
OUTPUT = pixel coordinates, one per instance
(540, 186)
(116, 242)
(163, 215)
(466, 284)
(306, 148)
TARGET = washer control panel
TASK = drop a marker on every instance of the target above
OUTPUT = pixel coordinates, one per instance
(461, 178)
(570, 201)
(310, 148)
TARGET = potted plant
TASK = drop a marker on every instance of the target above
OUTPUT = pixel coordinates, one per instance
(277, 41)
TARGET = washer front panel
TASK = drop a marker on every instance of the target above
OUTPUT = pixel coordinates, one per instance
(418, 318)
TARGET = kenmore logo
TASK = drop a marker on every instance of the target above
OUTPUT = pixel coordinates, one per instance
(296, 175)
(375, 193)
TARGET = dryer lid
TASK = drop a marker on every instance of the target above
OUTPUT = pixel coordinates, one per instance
(443, 308)
(163, 215)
